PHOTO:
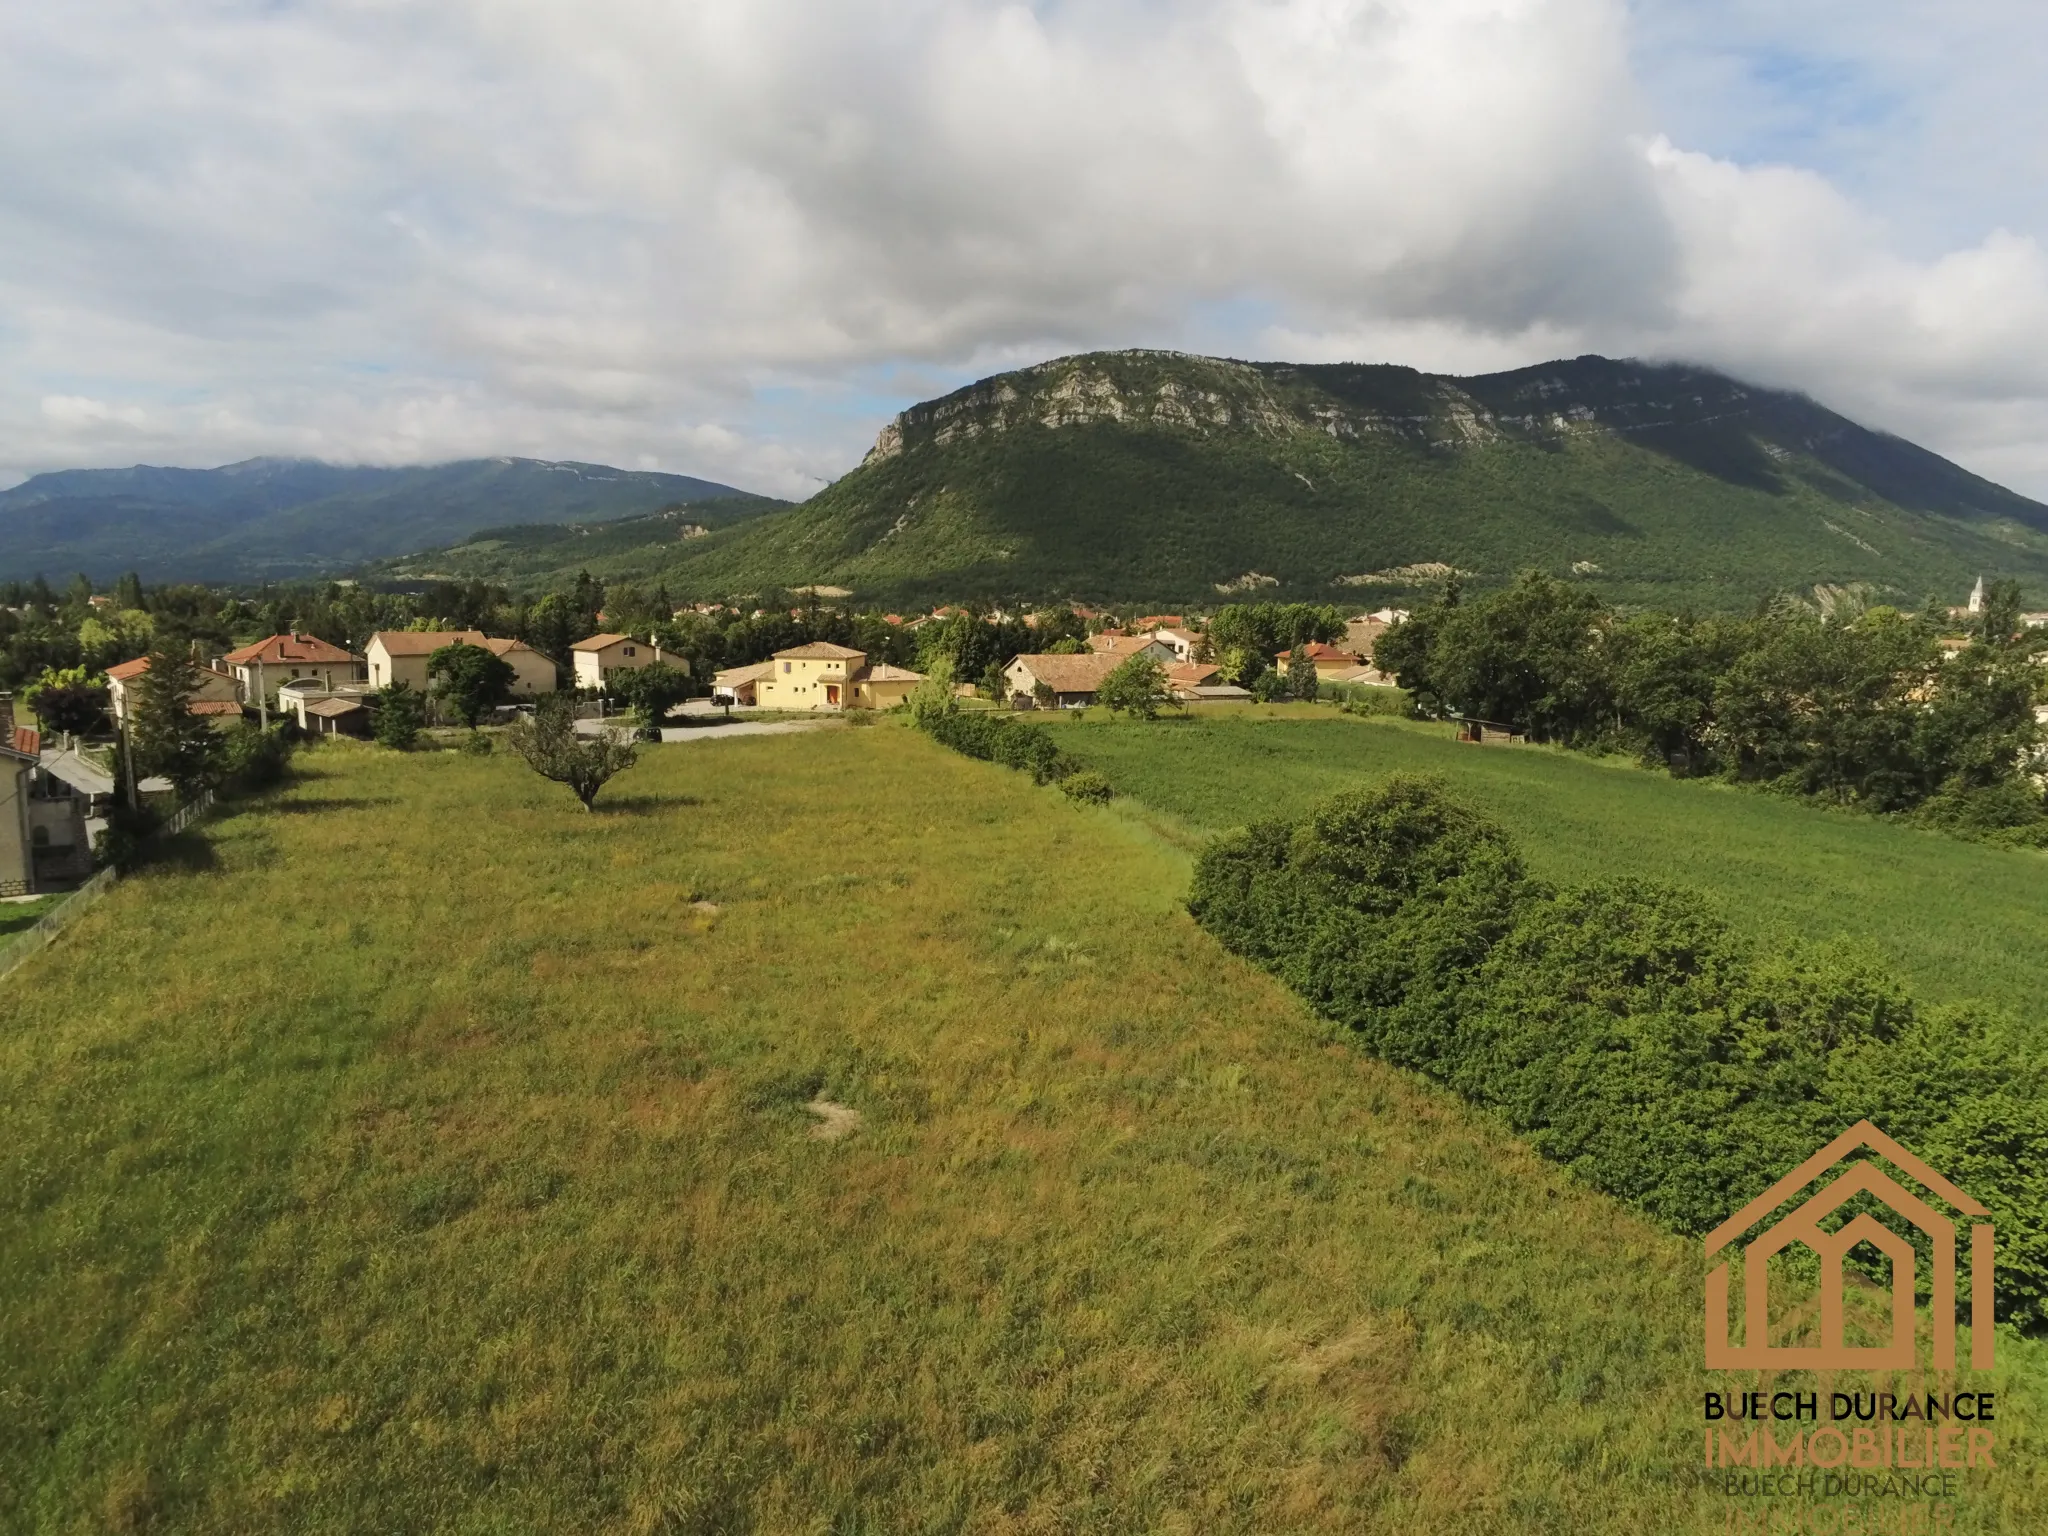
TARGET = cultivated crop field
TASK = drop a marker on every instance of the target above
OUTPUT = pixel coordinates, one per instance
(1956, 919)
(413, 1151)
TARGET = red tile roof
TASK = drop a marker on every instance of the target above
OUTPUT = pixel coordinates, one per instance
(27, 742)
(598, 642)
(129, 669)
(279, 650)
(214, 707)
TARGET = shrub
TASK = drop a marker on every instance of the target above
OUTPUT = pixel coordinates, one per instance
(476, 744)
(1088, 787)
(253, 758)
(1624, 1028)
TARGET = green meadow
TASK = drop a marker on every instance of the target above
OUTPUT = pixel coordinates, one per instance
(410, 1150)
(1956, 919)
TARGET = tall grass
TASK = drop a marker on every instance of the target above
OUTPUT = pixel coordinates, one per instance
(417, 1152)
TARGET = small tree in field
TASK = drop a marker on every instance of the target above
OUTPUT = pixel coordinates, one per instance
(1301, 676)
(1043, 696)
(401, 711)
(994, 685)
(553, 750)
(169, 739)
(1136, 687)
(652, 692)
(933, 698)
(469, 680)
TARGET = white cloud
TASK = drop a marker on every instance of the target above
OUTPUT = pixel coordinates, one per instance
(636, 231)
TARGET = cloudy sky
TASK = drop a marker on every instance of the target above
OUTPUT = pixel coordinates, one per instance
(731, 237)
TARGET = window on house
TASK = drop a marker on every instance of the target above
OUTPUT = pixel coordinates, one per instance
(785, 667)
(629, 650)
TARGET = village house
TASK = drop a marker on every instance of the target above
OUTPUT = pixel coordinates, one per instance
(43, 842)
(1330, 662)
(218, 695)
(260, 669)
(1182, 642)
(1071, 680)
(601, 657)
(318, 710)
(533, 672)
(401, 655)
(820, 676)
(1124, 647)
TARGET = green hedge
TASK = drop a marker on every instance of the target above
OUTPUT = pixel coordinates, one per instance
(999, 738)
(1624, 1028)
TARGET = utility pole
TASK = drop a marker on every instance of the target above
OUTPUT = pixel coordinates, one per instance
(128, 764)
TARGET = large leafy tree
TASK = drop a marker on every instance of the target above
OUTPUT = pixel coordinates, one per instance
(549, 744)
(68, 699)
(1136, 687)
(653, 692)
(469, 681)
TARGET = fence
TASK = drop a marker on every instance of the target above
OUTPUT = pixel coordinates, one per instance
(87, 896)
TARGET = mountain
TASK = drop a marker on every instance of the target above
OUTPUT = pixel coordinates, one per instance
(1155, 476)
(267, 519)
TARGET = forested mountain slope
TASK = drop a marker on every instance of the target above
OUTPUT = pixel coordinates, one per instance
(1152, 475)
(274, 518)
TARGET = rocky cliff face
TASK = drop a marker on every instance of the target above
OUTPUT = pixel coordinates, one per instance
(1202, 395)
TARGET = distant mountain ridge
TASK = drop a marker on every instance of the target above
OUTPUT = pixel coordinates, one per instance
(277, 518)
(1163, 476)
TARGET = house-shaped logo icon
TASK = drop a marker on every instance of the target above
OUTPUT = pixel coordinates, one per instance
(1802, 1224)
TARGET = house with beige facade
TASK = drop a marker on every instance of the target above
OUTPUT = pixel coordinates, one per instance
(218, 695)
(1071, 680)
(823, 676)
(265, 666)
(43, 844)
(602, 657)
(400, 655)
(533, 672)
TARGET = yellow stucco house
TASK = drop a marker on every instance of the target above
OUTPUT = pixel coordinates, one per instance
(820, 676)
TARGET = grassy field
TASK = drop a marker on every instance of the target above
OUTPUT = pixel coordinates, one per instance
(1957, 919)
(413, 1151)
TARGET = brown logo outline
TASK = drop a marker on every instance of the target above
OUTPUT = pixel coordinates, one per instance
(1802, 1225)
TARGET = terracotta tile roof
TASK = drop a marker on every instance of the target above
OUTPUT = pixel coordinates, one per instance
(1189, 674)
(598, 642)
(1325, 655)
(884, 673)
(1161, 621)
(507, 647)
(27, 743)
(128, 671)
(279, 650)
(819, 650)
(214, 707)
(735, 677)
(412, 642)
(1069, 674)
(329, 709)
